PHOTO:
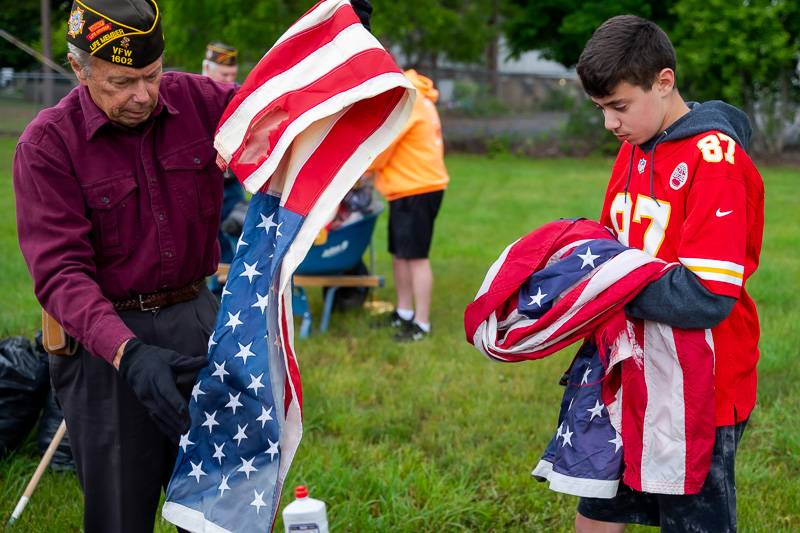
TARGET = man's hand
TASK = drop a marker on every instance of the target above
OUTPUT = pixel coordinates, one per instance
(150, 372)
(364, 11)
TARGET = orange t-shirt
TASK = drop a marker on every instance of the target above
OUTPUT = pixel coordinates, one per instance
(414, 163)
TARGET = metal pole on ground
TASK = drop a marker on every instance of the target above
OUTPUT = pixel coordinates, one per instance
(37, 475)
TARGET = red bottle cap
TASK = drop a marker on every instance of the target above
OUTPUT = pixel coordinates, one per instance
(300, 491)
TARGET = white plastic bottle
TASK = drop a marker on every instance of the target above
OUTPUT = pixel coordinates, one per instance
(305, 515)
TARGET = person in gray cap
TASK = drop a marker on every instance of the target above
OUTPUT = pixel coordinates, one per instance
(221, 62)
(118, 207)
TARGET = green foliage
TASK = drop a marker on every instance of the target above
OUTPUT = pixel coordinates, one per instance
(425, 31)
(560, 28)
(251, 27)
(471, 98)
(453, 29)
(744, 52)
(23, 21)
(736, 51)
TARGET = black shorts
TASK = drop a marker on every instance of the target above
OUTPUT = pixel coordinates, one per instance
(711, 510)
(411, 224)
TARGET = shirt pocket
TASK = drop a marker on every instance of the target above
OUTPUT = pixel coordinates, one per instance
(112, 203)
(194, 179)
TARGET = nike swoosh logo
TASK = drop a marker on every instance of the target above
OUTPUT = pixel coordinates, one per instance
(723, 213)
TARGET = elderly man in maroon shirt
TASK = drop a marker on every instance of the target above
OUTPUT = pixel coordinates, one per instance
(118, 205)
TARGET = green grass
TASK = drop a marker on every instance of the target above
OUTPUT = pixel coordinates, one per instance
(432, 436)
(16, 113)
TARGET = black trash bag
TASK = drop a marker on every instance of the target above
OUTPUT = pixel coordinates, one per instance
(48, 425)
(24, 384)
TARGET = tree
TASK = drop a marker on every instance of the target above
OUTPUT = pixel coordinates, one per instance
(21, 19)
(251, 27)
(745, 53)
(559, 29)
(458, 30)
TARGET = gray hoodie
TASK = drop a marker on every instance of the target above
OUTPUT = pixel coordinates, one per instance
(678, 298)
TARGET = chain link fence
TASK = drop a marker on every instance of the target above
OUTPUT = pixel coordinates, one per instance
(24, 94)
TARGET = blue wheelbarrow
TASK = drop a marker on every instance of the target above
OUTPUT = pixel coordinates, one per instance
(328, 265)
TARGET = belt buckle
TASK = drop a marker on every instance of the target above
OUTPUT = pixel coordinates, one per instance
(142, 306)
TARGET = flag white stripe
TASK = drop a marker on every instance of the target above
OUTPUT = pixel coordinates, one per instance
(370, 88)
(609, 273)
(189, 519)
(317, 217)
(347, 175)
(493, 270)
(560, 253)
(303, 147)
(324, 60)
(664, 425)
(292, 429)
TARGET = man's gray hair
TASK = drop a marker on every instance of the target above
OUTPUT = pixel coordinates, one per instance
(82, 58)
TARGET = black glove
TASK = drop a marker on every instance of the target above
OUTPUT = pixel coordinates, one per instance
(364, 11)
(234, 222)
(150, 372)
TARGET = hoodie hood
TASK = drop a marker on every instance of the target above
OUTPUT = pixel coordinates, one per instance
(712, 115)
(423, 85)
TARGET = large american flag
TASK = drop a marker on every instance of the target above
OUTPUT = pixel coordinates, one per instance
(320, 105)
(569, 281)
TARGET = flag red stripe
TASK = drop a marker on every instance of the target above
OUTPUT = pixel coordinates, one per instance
(350, 131)
(357, 70)
(697, 360)
(525, 257)
(293, 373)
(634, 400)
(291, 52)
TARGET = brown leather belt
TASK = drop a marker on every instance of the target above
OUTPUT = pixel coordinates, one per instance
(157, 300)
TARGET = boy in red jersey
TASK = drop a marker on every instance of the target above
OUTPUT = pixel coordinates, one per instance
(683, 189)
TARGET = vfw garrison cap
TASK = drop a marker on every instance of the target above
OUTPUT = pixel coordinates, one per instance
(124, 32)
(221, 54)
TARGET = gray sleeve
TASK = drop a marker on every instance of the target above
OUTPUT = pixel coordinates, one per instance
(680, 300)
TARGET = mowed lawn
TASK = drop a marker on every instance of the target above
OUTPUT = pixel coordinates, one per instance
(432, 436)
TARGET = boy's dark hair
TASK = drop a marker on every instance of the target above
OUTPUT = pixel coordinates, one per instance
(624, 48)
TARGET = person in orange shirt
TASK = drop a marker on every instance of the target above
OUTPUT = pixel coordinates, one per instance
(411, 175)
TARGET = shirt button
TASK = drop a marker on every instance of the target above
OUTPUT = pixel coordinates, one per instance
(196, 160)
(167, 254)
(105, 199)
(161, 216)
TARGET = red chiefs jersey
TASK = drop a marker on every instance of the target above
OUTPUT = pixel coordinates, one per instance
(706, 211)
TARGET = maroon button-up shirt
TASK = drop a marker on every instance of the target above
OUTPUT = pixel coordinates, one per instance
(106, 213)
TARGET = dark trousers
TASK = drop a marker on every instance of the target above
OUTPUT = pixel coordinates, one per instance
(122, 460)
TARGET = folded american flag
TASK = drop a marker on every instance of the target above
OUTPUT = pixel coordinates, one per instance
(320, 105)
(570, 280)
